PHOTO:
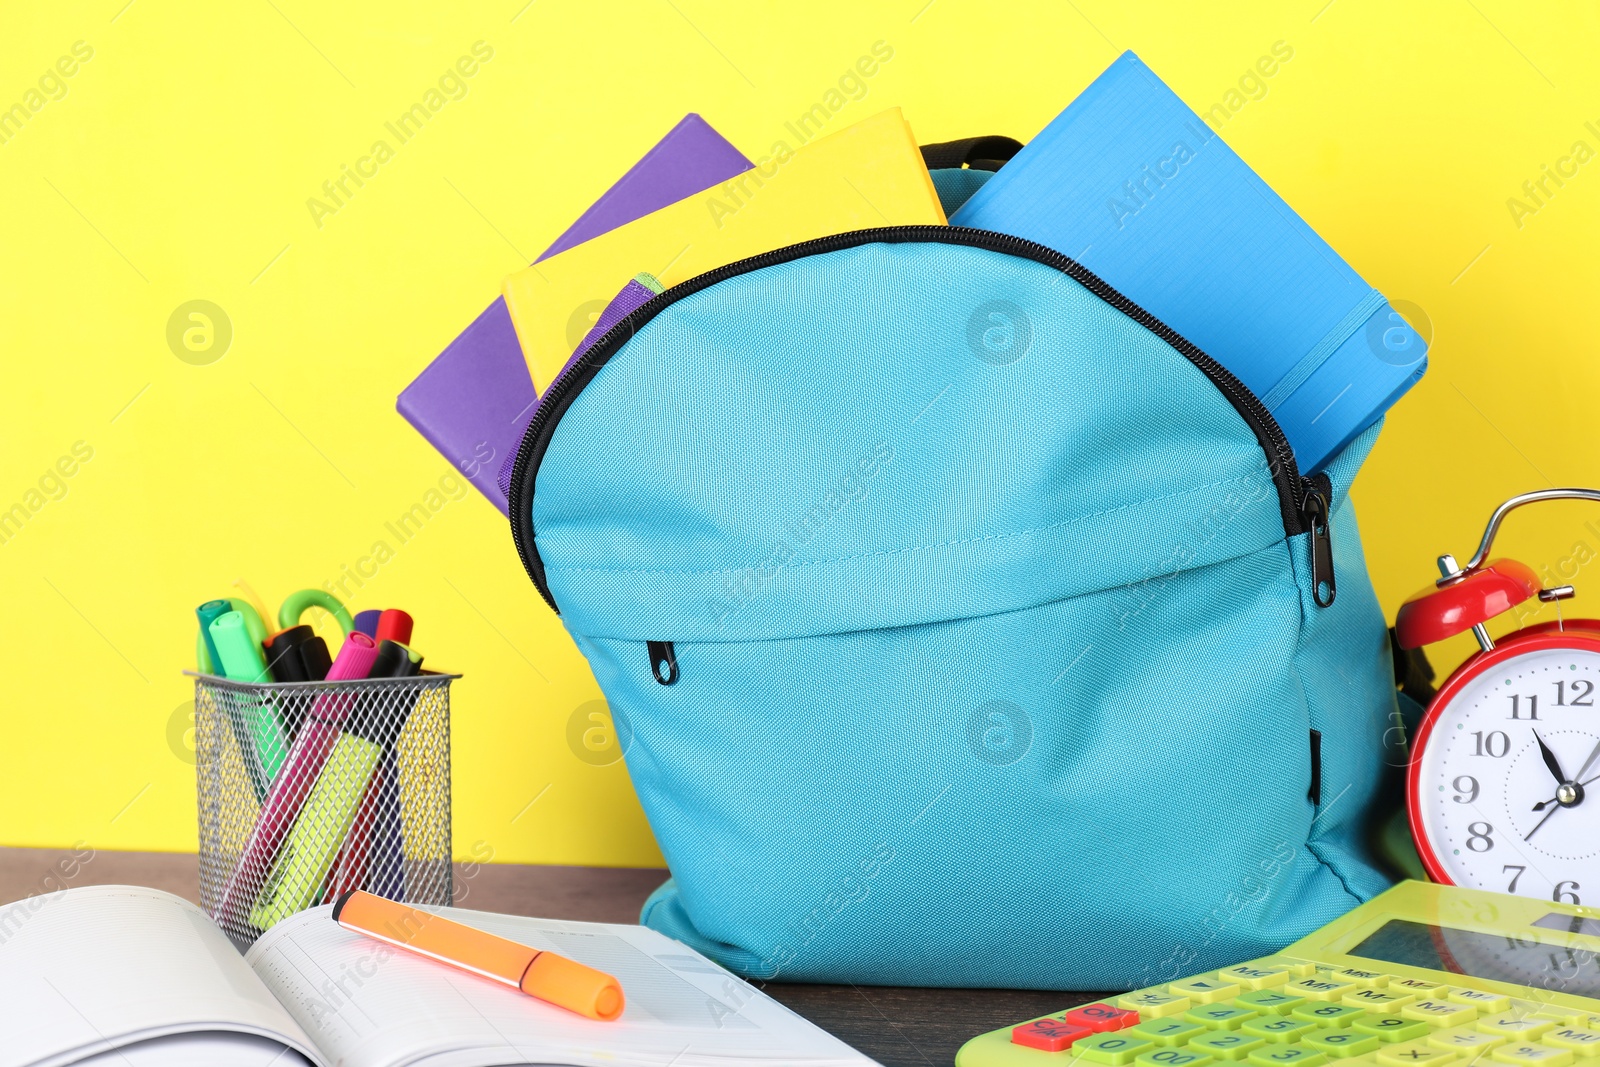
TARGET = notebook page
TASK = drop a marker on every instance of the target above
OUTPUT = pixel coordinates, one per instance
(92, 968)
(200, 1050)
(368, 1004)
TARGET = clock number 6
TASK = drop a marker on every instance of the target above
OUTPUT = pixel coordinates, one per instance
(1478, 840)
(1488, 745)
(1566, 896)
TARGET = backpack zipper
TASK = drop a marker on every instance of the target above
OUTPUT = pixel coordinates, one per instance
(1297, 496)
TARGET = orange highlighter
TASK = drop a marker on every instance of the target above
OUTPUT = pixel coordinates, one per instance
(556, 979)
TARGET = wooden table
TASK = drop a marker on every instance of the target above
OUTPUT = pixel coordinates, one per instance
(912, 1027)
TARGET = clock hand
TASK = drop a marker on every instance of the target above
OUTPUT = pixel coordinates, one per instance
(1546, 803)
(1589, 762)
(1541, 822)
(1550, 760)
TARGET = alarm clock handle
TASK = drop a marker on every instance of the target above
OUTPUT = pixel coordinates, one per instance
(1507, 508)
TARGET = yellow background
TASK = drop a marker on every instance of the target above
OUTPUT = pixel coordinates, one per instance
(178, 164)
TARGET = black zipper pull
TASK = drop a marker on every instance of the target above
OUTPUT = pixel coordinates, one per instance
(1315, 515)
(663, 661)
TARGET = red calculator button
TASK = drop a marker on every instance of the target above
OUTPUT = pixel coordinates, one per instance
(1047, 1035)
(1101, 1017)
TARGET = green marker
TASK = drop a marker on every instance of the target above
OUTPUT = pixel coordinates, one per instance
(242, 661)
(319, 831)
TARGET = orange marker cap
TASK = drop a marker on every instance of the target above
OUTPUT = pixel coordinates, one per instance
(546, 975)
(573, 986)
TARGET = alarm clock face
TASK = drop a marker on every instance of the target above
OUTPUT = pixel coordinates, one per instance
(1506, 790)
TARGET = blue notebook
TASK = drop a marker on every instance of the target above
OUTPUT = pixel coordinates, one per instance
(1136, 187)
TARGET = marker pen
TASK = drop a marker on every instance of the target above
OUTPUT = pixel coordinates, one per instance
(373, 851)
(387, 872)
(283, 654)
(326, 824)
(207, 652)
(291, 656)
(545, 975)
(367, 621)
(394, 625)
(242, 662)
(353, 865)
(252, 619)
(297, 655)
(211, 663)
(318, 734)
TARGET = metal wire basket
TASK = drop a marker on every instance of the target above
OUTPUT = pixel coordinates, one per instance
(309, 789)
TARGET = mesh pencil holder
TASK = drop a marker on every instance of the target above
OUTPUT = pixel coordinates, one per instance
(309, 789)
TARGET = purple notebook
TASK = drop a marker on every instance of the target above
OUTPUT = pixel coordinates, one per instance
(634, 295)
(474, 400)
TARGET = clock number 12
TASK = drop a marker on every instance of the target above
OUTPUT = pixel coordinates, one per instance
(1582, 693)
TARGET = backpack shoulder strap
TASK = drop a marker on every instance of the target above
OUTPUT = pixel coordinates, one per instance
(976, 153)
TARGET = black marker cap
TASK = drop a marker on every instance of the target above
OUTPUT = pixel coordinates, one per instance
(284, 658)
(314, 653)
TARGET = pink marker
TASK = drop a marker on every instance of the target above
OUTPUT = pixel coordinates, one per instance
(288, 792)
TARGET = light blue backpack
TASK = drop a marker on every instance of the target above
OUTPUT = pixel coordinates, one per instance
(967, 626)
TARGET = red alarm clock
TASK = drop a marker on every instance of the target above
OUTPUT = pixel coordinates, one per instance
(1506, 765)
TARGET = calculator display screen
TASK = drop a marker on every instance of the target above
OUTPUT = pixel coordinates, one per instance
(1496, 957)
(1572, 924)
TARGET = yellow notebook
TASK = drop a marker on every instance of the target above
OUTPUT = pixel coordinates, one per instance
(870, 174)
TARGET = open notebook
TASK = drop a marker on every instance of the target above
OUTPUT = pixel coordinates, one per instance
(120, 976)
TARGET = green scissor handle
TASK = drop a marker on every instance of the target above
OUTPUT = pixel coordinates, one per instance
(296, 603)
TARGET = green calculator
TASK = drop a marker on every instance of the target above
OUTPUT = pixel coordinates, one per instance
(1421, 976)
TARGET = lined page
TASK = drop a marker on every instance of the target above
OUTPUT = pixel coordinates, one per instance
(94, 968)
(368, 1004)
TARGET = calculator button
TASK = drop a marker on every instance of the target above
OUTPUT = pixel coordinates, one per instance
(1278, 1029)
(1583, 1041)
(1268, 1001)
(1392, 1029)
(1327, 1014)
(1254, 976)
(1100, 1018)
(1286, 1056)
(1364, 979)
(1204, 990)
(1515, 1027)
(1563, 1016)
(1440, 1013)
(1340, 1043)
(1219, 1016)
(1152, 1005)
(1422, 987)
(1377, 1001)
(1526, 1054)
(1414, 1054)
(1171, 1057)
(1478, 999)
(1296, 968)
(1467, 1040)
(1168, 1031)
(1047, 1035)
(1319, 987)
(1225, 1045)
(1114, 1048)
